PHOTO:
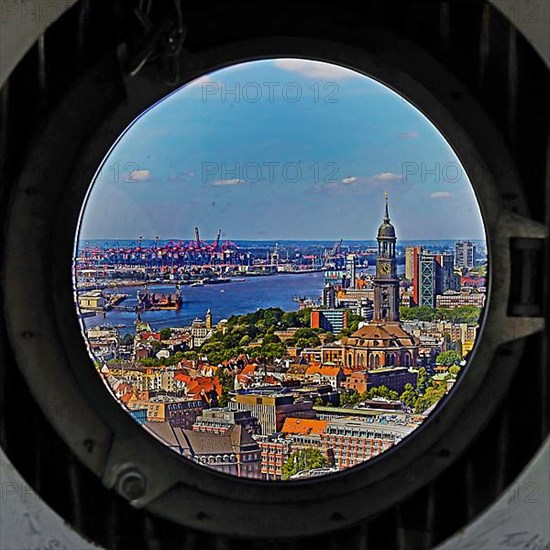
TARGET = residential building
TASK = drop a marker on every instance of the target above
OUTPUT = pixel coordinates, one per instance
(304, 426)
(357, 381)
(184, 413)
(219, 420)
(465, 254)
(467, 297)
(325, 374)
(410, 252)
(352, 441)
(393, 378)
(232, 452)
(332, 320)
(275, 450)
(329, 296)
(351, 269)
(271, 410)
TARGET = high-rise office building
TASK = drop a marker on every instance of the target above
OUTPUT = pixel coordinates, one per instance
(433, 275)
(429, 279)
(465, 254)
(450, 280)
(333, 320)
(329, 296)
(409, 261)
(351, 269)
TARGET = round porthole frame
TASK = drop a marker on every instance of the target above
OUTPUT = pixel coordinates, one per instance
(52, 354)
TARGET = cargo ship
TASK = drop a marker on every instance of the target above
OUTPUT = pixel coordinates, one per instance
(156, 301)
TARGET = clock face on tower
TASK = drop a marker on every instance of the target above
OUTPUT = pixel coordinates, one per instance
(385, 268)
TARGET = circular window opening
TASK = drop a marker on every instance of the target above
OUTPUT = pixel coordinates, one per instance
(280, 269)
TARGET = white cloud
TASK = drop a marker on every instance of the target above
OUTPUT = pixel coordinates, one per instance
(438, 195)
(386, 176)
(138, 175)
(315, 69)
(382, 181)
(234, 181)
(407, 135)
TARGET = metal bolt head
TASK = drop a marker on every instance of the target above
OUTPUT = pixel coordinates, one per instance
(131, 484)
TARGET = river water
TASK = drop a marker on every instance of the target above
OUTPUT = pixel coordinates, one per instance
(224, 300)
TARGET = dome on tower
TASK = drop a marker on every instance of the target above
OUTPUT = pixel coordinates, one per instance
(386, 230)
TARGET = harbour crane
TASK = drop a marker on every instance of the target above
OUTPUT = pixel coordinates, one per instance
(336, 249)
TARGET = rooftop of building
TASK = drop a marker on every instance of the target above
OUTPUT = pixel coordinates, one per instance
(389, 370)
(304, 426)
(360, 425)
(234, 441)
(381, 335)
(324, 370)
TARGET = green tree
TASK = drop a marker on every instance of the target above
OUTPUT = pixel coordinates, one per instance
(308, 342)
(273, 351)
(420, 313)
(155, 347)
(165, 333)
(304, 460)
(409, 396)
(453, 371)
(423, 380)
(461, 314)
(226, 380)
(232, 339)
(150, 362)
(382, 391)
(304, 316)
(290, 319)
(350, 398)
(306, 333)
(245, 340)
(433, 395)
(448, 358)
(353, 320)
(271, 339)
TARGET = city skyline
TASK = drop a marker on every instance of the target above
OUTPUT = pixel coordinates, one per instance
(314, 362)
(179, 157)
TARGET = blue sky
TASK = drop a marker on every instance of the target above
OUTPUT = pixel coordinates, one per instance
(299, 150)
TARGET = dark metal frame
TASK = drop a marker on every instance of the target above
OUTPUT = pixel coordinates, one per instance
(51, 352)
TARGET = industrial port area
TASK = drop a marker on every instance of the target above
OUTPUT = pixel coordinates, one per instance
(114, 265)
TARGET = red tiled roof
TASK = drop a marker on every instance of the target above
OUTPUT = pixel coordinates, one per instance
(323, 371)
(249, 369)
